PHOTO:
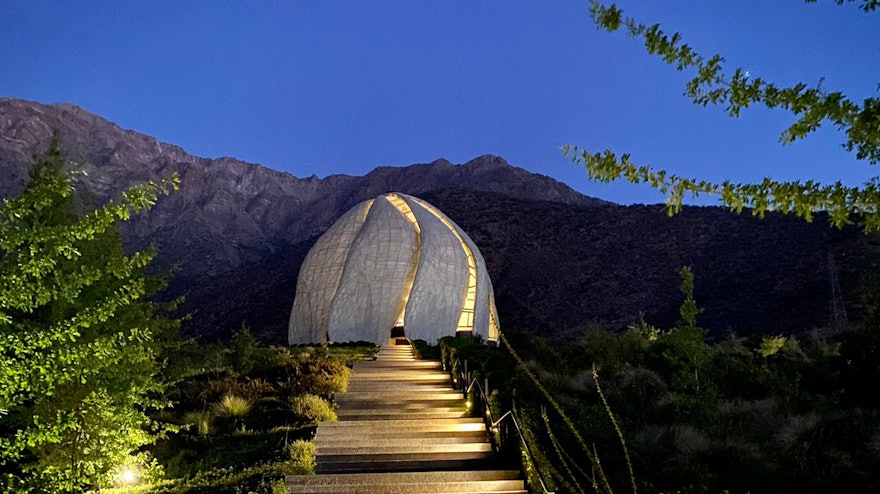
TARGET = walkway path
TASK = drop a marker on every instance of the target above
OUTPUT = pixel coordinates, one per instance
(402, 428)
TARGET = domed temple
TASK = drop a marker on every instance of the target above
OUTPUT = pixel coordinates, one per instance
(392, 263)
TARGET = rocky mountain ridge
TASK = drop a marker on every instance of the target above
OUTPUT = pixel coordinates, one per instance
(229, 212)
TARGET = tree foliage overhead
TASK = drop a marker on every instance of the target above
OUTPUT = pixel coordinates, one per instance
(77, 335)
(738, 90)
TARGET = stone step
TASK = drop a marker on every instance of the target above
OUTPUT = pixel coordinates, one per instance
(382, 441)
(402, 402)
(355, 382)
(486, 486)
(391, 429)
(401, 386)
(394, 433)
(357, 434)
(401, 448)
(383, 410)
(398, 362)
(444, 411)
(451, 424)
(380, 414)
(428, 394)
(363, 383)
(421, 404)
(377, 372)
(394, 392)
(402, 478)
(378, 386)
(399, 367)
(421, 456)
(421, 462)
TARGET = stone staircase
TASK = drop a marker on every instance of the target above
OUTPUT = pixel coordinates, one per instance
(402, 428)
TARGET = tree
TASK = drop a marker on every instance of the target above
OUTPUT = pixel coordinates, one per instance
(78, 338)
(812, 106)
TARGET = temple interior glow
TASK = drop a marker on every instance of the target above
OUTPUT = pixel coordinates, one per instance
(466, 319)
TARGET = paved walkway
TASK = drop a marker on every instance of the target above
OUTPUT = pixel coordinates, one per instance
(402, 428)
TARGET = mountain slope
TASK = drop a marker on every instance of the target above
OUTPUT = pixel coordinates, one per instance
(228, 212)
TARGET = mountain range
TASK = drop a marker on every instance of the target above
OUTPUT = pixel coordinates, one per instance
(559, 260)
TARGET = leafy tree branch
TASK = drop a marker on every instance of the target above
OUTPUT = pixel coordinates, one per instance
(738, 90)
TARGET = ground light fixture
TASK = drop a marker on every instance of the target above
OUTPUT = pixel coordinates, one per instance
(128, 475)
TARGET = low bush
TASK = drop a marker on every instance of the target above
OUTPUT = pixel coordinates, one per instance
(302, 456)
(311, 408)
(233, 406)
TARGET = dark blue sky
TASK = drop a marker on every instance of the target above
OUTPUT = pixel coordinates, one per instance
(342, 87)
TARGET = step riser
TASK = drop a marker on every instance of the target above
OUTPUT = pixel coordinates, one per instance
(404, 466)
(398, 384)
(402, 478)
(416, 397)
(412, 406)
(379, 388)
(401, 437)
(432, 397)
(401, 409)
(398, 416)
(390, 430)
(427, 487)
(398, 359)
(397, 365)
(462, 424)
(406, 442)
(414, 451)
(397, 376)
(396, 433)
(403, 457)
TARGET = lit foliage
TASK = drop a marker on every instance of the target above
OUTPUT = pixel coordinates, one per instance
(312, 408)
(738, 90)
(77, 339)
(302, 456)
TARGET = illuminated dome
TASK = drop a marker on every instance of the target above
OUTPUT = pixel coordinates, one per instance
(392, 261)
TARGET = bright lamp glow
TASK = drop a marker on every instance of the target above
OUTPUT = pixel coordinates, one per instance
(128, 475)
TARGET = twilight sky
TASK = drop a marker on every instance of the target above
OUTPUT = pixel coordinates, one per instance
(344, 86)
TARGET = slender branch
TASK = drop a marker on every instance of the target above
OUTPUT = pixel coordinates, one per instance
(739, 90)
(844, 205)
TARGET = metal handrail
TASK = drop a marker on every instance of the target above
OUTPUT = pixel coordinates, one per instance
(491, 424)
(525, 444)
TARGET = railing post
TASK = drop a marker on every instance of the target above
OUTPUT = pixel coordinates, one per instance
(467, 377)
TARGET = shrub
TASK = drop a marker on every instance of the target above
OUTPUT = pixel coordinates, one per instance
(311, 408)
(233, 406)
(245, 351)
(312, 374)
(201, 420)
(302, 456)
(323, 376)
